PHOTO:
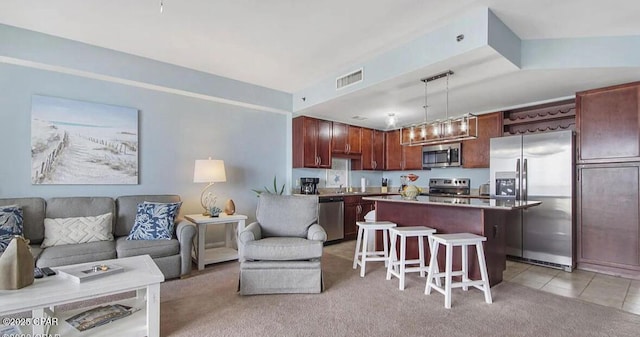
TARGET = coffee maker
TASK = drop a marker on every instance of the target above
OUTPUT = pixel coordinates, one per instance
(309, 185)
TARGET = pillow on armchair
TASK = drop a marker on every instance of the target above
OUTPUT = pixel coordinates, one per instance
(154, 221)
(10, 224)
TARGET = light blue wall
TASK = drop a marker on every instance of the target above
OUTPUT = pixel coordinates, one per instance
(28, 46)
(175, 128)
(374, 178)
(424, 51)
(588, 52)
(477, 176)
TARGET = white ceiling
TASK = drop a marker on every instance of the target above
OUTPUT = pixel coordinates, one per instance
(291, 44)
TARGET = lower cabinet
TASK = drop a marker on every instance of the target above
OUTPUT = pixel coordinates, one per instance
(608, 207)
(354, 210)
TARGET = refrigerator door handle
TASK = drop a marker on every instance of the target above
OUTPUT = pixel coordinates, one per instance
(524, 179)
(449, 156)
(517, 179)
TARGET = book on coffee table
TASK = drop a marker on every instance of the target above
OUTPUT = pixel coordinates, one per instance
(86, 273)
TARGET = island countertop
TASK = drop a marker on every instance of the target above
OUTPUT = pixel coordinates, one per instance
(496, 204)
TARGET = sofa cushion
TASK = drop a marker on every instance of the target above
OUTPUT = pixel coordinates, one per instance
(286, 215)
(128, 207)
(68, 207)
(155, 248)
(10, 224)
(79, 253)
(33, 216)
(65, 231)
(283, 249)
(154, 221)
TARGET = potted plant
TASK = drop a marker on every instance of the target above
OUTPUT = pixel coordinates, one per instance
(275, 188)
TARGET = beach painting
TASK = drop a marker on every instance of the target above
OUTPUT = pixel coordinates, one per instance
(76, 142)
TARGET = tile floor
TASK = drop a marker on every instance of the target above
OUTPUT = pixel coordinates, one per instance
(617, 292)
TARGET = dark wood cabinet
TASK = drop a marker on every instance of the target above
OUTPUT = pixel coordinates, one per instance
(354, 210)
(608, 214)
(475, 152)
(608, 124)
(311, 142)
(608, 184)
(398, 157)
(372, 149)
(350, 228)
(392, 151)
(346, 139)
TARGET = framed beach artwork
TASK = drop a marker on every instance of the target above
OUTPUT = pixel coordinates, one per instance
(76, 142)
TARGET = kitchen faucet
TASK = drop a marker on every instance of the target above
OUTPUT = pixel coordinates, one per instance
(339, 189)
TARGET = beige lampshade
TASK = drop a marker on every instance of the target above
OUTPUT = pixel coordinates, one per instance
(209, 171)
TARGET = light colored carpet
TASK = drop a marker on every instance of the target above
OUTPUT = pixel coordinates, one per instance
(207, 304)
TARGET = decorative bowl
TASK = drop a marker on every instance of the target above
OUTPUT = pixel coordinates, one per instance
(410, 192)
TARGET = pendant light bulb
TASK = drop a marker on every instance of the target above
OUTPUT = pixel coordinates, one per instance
(423, 132)
(412, 133)
(161, 6)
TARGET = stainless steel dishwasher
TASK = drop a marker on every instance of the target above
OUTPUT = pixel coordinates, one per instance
(331, 217)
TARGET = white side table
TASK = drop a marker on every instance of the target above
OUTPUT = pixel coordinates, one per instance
(219, 254)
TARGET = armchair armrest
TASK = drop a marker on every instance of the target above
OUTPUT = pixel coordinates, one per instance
(317, 233)
(185, 232)
(250, 233)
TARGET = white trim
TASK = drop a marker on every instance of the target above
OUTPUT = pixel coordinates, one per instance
(138, 84)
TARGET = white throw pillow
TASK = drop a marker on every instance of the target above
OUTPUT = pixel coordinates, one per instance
(67, 231)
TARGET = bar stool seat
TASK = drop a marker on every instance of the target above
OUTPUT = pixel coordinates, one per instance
(399, 267)
(361, 255)
(464, 240)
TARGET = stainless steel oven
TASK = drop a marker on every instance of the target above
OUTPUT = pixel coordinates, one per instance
(445, 155)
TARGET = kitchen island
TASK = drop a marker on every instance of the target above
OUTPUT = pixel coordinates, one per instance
(486, 217)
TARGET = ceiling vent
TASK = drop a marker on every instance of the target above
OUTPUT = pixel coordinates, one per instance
(349, 79)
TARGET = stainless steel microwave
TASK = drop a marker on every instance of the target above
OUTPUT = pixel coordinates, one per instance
(445, 155)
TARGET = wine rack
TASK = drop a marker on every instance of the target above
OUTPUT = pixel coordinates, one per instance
(554, 116)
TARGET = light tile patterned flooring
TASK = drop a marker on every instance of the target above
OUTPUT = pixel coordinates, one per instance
(617, 292)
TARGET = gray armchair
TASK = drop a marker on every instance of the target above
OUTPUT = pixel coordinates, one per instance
(281, 252)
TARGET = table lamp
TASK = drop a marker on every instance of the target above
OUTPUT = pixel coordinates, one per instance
(208, 171)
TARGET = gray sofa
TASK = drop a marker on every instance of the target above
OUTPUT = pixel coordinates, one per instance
(173, 257)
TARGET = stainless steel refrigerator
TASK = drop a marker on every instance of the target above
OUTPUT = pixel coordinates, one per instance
(537, 167)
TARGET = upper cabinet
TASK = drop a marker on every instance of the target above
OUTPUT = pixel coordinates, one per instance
(475, 152)
(311, 143)
(372, 149)
(608, 124)
(347, 139)
(398, 157)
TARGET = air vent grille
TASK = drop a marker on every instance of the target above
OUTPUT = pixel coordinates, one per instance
(349, 79)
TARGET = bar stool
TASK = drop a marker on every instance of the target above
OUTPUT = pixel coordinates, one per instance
(449, 241)
(399, 268)
(361, 255)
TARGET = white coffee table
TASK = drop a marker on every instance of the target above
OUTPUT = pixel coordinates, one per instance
(140, 274)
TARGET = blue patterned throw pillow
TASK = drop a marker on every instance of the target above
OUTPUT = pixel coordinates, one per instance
(10, 224)
(154, 221)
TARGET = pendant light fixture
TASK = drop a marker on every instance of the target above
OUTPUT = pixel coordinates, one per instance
(439, 131)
